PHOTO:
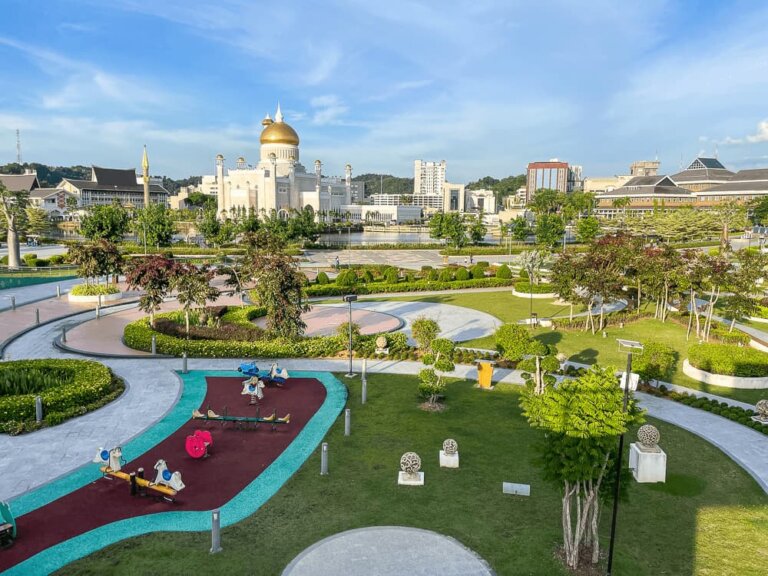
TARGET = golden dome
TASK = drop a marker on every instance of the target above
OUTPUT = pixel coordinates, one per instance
(279, 133)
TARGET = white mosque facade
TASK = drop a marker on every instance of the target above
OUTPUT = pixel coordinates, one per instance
(281, 183)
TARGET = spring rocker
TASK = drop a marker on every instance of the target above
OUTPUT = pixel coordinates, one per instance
(245, 421)
(275, 376)
(254, 388)
(197, 444)
(7, 525)
(166, 485)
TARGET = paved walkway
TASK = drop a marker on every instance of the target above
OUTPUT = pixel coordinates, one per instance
(35, 292)
(388, 551)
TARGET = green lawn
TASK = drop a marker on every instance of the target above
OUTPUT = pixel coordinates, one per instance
(710, 517)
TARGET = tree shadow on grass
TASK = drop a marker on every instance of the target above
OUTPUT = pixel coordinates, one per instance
(586, 356)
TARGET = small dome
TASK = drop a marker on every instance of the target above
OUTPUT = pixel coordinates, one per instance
(219, 157)
(241, 160)
(279, 133)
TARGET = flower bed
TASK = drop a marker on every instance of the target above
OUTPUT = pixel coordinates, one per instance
(735, 413)
(68, 388)
(729, 360)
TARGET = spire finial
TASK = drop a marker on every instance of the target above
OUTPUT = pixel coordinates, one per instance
(145, 160)
(278, 114)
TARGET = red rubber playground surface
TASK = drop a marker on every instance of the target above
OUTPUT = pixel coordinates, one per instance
(236, 458)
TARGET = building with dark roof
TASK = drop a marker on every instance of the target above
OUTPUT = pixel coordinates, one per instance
(108, 185)
(643, 194)
(745, 186)
(19, 182)
(57, 203)
(702, 174)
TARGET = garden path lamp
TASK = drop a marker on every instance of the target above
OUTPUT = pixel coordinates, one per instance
(617, 484)
(349, 298)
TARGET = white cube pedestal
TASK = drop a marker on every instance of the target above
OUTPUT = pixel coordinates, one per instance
(405, 479)
(449, 460)
(647, 466)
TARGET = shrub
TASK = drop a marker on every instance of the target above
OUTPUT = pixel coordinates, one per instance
(367, 276)
(477, 271)
(504, 272)
(446, 275)
(721, 333)
(392, 276)
(56, 259)
(424, 330)
(29, 257)
(67, 388)
(514, 341)
(418, 286)
(322, 278)
(524, 274)
(657, 362)
(346, 278)
(462, 274)
(432, 276)
(94, 289)
(729, 360)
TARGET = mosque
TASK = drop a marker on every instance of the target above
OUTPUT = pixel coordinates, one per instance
(280, 182)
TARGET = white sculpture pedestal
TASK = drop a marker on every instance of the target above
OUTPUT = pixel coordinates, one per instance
(405, 479)
(449, 460)
(647, 466)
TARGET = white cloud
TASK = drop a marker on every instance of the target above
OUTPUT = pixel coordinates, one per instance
(761, 135)
(328, 109)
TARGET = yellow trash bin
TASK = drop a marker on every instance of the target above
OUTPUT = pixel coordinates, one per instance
(484, 373)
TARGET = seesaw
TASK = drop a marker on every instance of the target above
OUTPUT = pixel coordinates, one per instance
(275, 376)
(7, 525)
(166, 483)
(211, 416)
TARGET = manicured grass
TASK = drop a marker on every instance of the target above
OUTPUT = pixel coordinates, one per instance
(669, 529)
(503, 304)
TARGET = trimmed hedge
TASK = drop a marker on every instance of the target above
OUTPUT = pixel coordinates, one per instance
(417, 286)
(528, 288)
(723, 409)
(94, 289)
(729, 360)
(80, 387)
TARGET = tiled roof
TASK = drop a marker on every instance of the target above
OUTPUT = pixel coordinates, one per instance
(91, 185)
(17, 182)
(114, 176)
(702, 175)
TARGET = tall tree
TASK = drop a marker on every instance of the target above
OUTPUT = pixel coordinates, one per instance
(546, 201)
(549, 229)
(192, 285)
(155, 224)
(587, 229)
(581, 419)
(94, 259)
(12, 208)
(475, 228)
(520, 229)
(107, 222)
(36, 220)
(155, 276)
(279, 283)
(729, 216)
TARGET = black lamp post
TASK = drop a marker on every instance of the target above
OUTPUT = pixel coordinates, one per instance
(617, 485)
(349, 298)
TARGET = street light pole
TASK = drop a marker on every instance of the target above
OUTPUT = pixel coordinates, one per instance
(617, 484)
(349, 298)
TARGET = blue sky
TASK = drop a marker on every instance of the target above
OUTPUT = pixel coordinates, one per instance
(486, 85)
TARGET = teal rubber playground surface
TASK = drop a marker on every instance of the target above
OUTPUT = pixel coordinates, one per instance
(245, 503)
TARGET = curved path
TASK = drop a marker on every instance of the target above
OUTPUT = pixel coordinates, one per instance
(393, 550)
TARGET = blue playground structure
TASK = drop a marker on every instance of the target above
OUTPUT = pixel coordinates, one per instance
(275, 375)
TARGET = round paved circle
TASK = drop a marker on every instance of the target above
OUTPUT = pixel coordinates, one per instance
(385, 551)
(323, 320)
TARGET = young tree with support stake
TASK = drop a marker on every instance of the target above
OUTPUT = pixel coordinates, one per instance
(12, 208)
(192, 285)
(581, 419)
(155, 276)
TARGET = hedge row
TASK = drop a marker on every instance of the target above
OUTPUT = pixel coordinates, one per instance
(83, 386)
(729, 360)
(138, 335)
(94, 289)
(723, 409)
(418, 286)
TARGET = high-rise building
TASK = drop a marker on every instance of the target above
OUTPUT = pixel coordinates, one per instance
(428, 177)
(552, 174)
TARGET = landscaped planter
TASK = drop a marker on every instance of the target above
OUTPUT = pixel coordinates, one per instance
(104, 298)
(546, 295)
(722, 380)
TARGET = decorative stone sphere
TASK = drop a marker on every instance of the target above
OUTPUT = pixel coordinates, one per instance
(381, 342)
(648, 435)
(762, 408)
(450, 446)
(410, 463)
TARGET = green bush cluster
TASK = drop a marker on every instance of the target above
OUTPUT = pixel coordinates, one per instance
(523, 286)
(721, 333)
(322, 278)
(68, 388)
(729, 360)
(416, 286)
(94, 289)
(735, 413)
(242, 314)
(504, 272)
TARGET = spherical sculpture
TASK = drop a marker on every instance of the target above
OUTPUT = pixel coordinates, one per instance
(762, 408)
(450, 447)
(648, 436)
(410, 463)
